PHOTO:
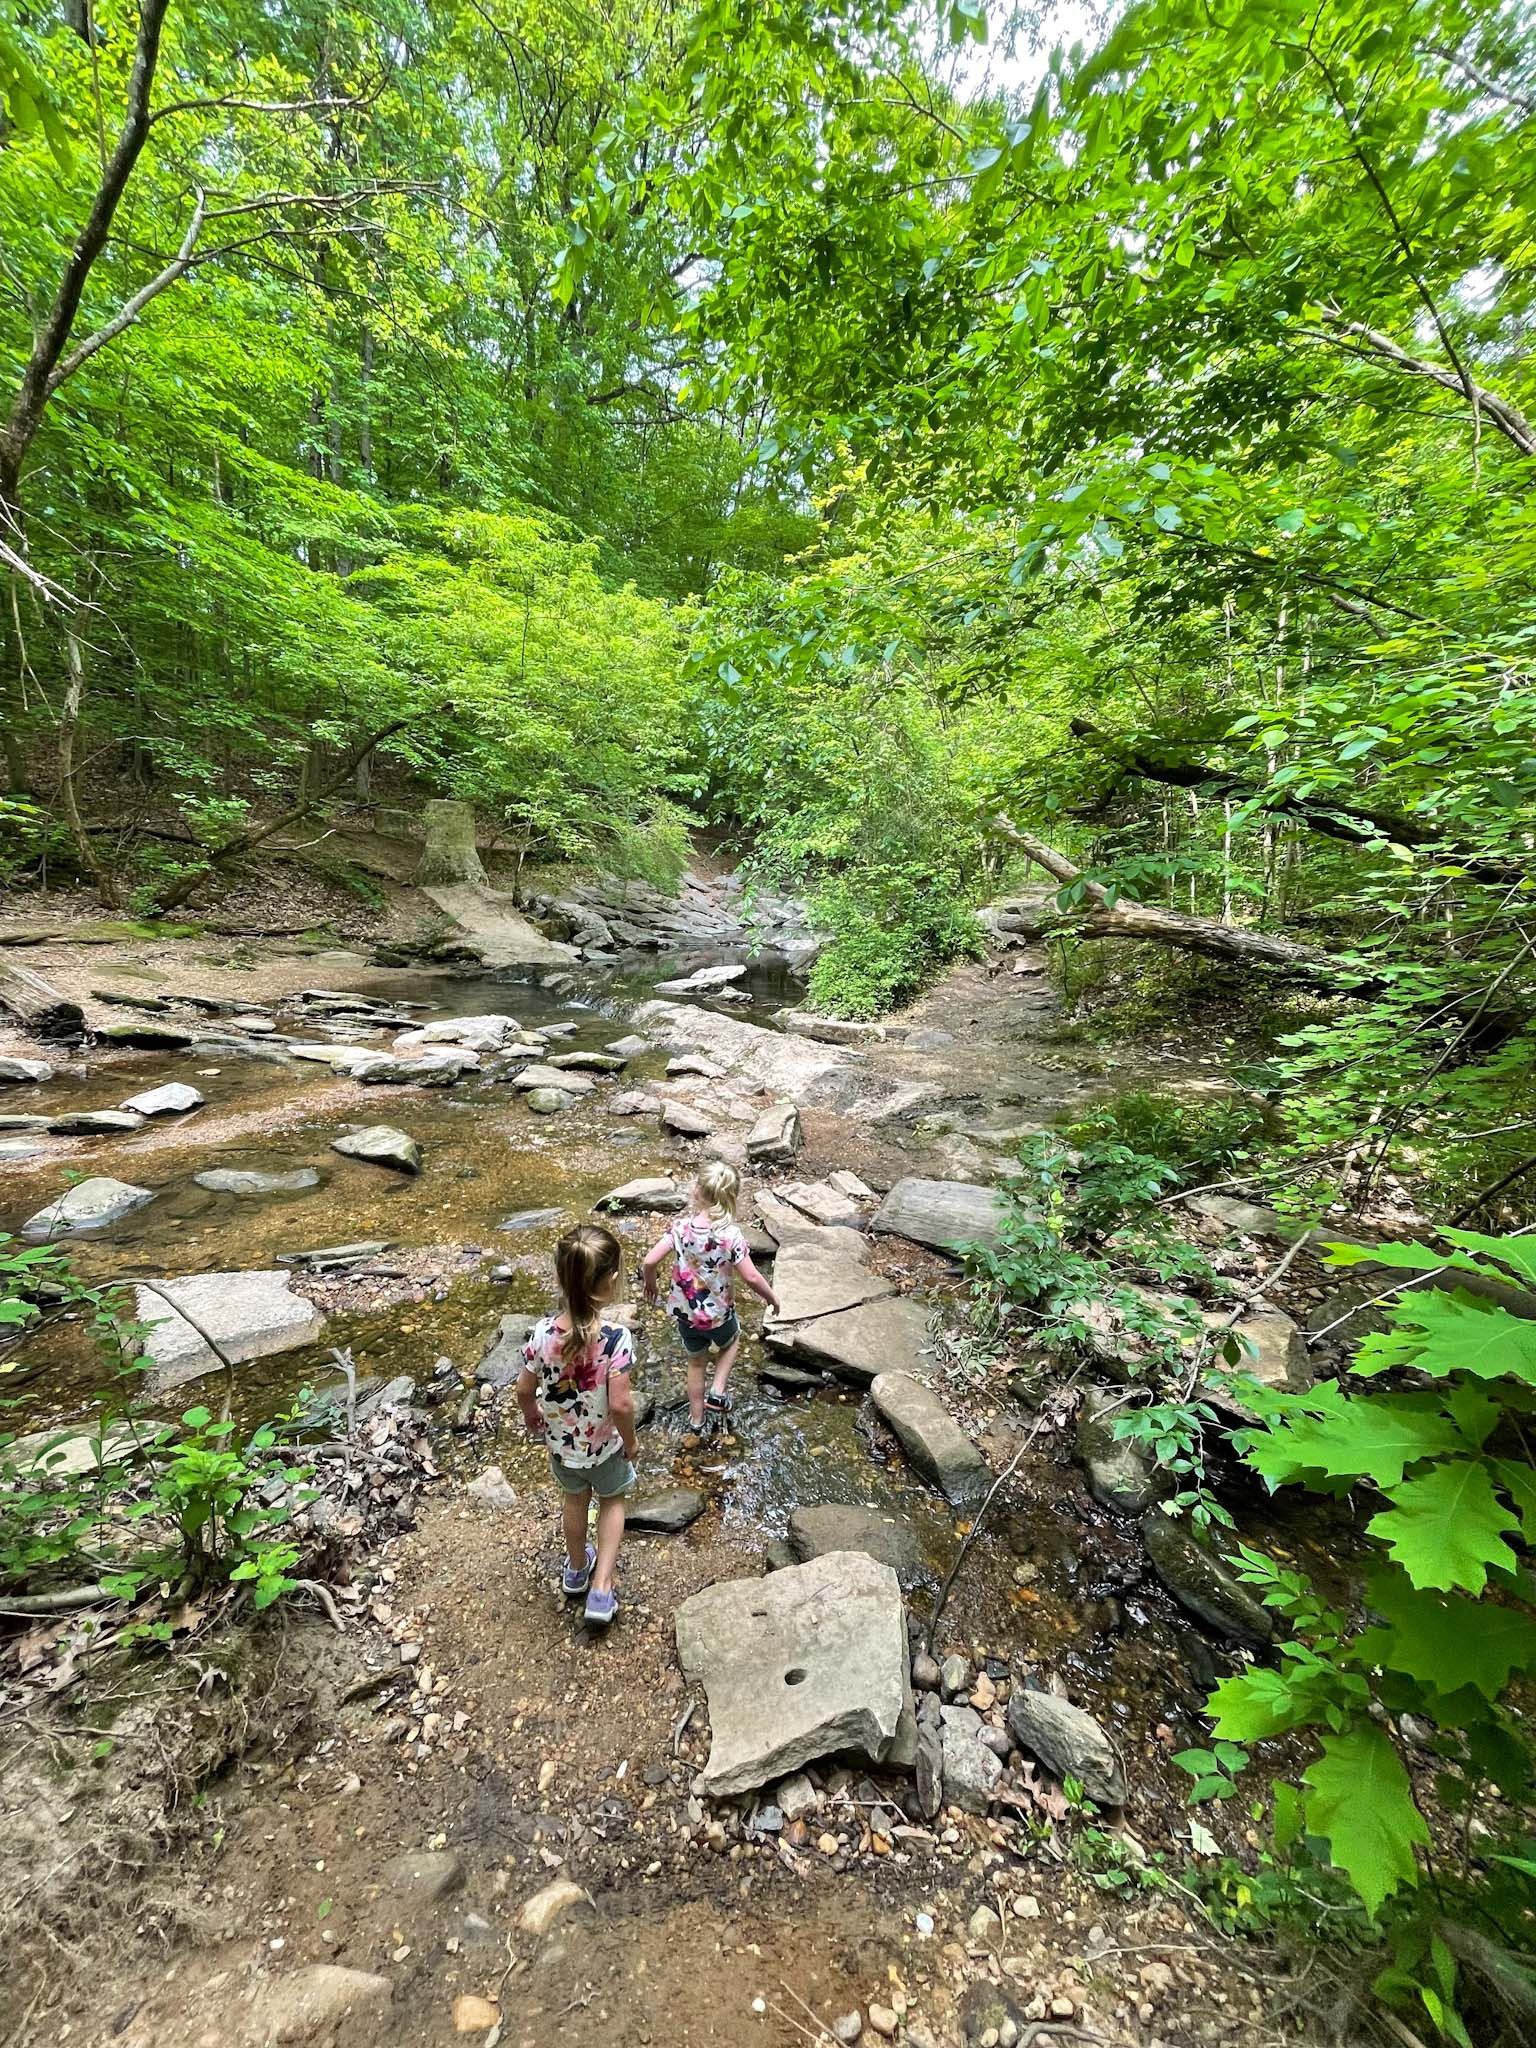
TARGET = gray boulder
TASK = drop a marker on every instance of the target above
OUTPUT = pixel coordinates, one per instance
(153, 1037)
(88, 1205)
(381, 1145)
(1069, 1742)
(95, 1123)
(971, 1770)
(1120, 1476)
(858, 1344)
(1199, 1580)
(776, 1136)
(684, 1122)
(24, 1123)
(503, 1360)
(822, 1202)
(13, 1069)
(663, 1197)
(237, 1180)
(667, 1513)
(630, 1046)
(248, 1315)
(17, 1149)
(596, 1062)
(933, 1441)
(550, 1101)
(173, 1099)
(808, 1662)
(633, 1102)
(542, 1075)
(814, 1277)
(435, 1070)
(818, 1531)
(942, 1214)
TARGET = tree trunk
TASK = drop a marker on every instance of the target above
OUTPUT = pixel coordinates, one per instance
(38, 1006)
(69, 722)
(450, 854)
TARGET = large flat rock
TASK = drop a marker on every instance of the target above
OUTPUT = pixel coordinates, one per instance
(89, 1205)
(932, 1439)
(942, 1214)
(818, 1531)
(771, 1060)
(816, 1279)
(248, 1315)
(807, 1663)
(858, 1344)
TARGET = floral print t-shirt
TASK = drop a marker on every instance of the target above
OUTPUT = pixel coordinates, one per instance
(706, 1248)
(573, 1399)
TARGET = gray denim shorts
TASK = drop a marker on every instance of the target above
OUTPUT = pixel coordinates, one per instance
(608, 1478)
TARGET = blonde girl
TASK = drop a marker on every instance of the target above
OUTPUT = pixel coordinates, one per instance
(575, 1396)
(709, 1248)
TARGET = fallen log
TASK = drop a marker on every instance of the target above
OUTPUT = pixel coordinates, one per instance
(37, 1006)
(1355, 824)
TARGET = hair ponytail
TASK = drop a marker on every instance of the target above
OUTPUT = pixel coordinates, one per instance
(586, 1259)
(720, 1185)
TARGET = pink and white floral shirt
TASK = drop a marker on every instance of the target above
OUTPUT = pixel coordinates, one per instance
(706, 1249)
(573, 1399)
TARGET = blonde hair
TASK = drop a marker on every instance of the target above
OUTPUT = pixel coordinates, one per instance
(720, 1185)
(586, 1259)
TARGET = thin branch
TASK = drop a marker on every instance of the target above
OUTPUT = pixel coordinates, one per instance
(131, 308)
(1370, 344)
(1482, 81)
(233, 100)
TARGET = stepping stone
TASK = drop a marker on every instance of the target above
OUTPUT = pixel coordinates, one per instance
(24, 1123)
(381, 1145)
(17, 1149)
(858, 1344)
(785, 1224)
(248, 1315)
(1199, 1580)
(661, 1197)
(1121, 1476)
(24, 1070)
(173, 1099)
(694, 1063)
(807, 1663)
(817, 1531)
(665, 1514)
(88, 1205)
(934, 1442)
(849, 1184)
(531, 1219)
(252, 1027)
(630, 1046)
(541, 1075)
(598, 1062)
(342, 1057)
(703, 978)
(239, 1180)
(970, 1769)
(433, 1071)
(503, 1360)
(476, 1034)
(1069, 1742)
(91, 1123)
(813, 1279)
(335, 1257)
(821, 1202)
(684, 1122)
(776, 1136)
(141, 1032)
(942, 1214)
(832, 1030)
(789, 1379)
(1273, 1350)
(633, 1103)
(549, 1101)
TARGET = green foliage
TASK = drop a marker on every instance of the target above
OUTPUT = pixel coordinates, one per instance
(1450, 1627)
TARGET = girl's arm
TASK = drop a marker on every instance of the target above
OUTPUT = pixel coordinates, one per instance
(621, 1412)
(527, 1388)
(756, 1282)
(651, 1264)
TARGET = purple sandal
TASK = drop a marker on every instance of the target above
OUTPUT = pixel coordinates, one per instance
(601, 1608)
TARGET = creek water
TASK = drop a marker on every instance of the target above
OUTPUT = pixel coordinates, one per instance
(1058, 1580)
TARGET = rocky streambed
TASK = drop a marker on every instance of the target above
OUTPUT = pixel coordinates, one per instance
(381, 1170)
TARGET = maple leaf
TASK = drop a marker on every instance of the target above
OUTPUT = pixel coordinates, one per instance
(1361, 1803)
(1446, 1528)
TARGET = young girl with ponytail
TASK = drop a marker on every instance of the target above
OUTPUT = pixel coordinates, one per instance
(575, 1396)
(709, 1248)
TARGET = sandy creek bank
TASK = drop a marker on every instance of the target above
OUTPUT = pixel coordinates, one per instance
(556, 1756)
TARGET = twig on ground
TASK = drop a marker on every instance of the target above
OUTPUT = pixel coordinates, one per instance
(323, 1595)
(681, 1728)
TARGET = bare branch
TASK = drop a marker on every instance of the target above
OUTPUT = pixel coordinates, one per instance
(1371, 344)
(131, 308)
(232, 100)
(1483, 82)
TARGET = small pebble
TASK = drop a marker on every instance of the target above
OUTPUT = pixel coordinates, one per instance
(884, 2021)
(848, 2028)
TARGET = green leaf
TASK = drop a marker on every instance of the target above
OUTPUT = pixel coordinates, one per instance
(1447, 1528)
(1444, 1640)
(1361, 1803)
(1256, 1704)
(1375, 1439)
(1446, 1333)
(1519, 1482)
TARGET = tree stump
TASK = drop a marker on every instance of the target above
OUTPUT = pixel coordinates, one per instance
(38, 1006)
(450, 853)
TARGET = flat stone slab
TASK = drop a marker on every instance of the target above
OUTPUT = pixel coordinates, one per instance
(702, 978)
(817, 1531)
(248, 1315)
(807, 1663)
(822, 1202)
(635, 1197)
(530, 1219)
(665, 1514)
(239, 1180)
(776, 1136)
(92, 1123)
(597, 1062)
(932, 1439)
(1069, 1742)
(166, 1037)
(431, 1070)
(503, 1360)
(694, 1063)
(381, 1145)
(858, 1344)
(12, 1069)
(684, 1122)
(480, 1034)
(630, 1046)
(942, 1214)
(175, 1098)
(783, 1222)
(814, 1279)
(769, 1059)
(88, 1205)
(541, 1075)
(633, 1102)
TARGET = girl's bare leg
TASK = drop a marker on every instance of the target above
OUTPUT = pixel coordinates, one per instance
(724, 1363)
(610, 1534)
(696, 1392)
(573, 1514)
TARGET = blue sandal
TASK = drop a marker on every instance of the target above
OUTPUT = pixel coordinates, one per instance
(574, 1583)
